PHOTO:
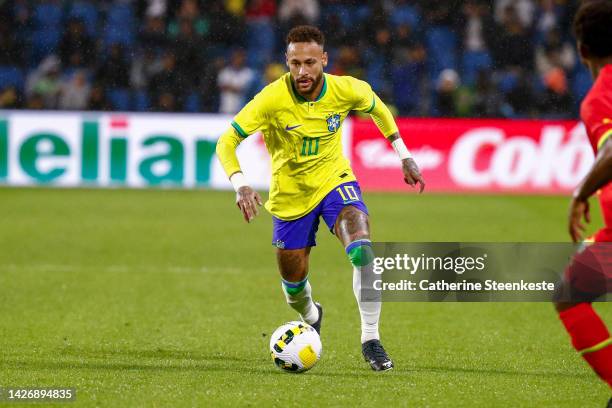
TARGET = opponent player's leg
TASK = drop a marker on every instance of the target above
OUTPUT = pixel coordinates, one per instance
(353, 229)
(587, 278)
(293, 267)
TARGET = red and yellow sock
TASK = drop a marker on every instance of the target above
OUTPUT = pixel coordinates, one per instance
(590, 337)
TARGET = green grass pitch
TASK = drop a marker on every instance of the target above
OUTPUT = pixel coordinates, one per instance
(167, 298)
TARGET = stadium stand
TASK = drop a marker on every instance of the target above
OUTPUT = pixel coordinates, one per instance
(426, 58)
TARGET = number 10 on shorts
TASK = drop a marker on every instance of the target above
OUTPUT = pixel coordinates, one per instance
(349, 191)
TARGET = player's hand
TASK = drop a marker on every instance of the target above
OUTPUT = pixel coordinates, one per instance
(578, 209)
(412, 175)
(247, 201)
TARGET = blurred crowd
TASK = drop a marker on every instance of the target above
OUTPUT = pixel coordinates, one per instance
(450, 58)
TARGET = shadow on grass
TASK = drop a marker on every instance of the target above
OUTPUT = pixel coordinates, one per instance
(194, 361)
(120, 366)
(498, 371)
(159, 353)
(255, 367)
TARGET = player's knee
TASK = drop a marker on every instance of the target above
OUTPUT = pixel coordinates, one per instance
(565, 297)
(293, 264)
(561, 296)
(352, 224)
(350, 211)
(360, 252)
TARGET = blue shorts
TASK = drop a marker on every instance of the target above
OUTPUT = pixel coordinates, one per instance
(301, 233)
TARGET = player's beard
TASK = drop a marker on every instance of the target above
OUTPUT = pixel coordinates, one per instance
(315, 83)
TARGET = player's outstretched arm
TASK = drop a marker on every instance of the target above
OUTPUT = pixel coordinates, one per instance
(247, 199)
(412, 174)
(599, 175)
(367, 101)
(386, 124)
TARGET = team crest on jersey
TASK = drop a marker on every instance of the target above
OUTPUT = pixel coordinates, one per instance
(333, 122)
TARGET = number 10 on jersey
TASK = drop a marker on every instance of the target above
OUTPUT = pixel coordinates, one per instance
(310, 146)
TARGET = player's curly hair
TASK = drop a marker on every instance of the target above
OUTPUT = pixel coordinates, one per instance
(593, 27)
(305, 33)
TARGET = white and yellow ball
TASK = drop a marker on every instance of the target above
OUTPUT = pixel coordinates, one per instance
(295, 347)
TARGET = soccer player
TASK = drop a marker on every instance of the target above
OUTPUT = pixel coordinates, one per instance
(589, 276)
(300, 116)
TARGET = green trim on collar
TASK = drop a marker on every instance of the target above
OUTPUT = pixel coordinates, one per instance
(302, 99)
(296, 93)
(323, 90)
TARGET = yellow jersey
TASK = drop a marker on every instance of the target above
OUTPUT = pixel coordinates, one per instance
(304, 139)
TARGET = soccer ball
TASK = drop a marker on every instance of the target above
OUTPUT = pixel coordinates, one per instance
(295, 347)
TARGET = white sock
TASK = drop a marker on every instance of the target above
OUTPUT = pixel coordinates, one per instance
(301, 302)
(369, 303)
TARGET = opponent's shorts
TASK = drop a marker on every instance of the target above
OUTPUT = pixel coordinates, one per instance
(589, 274)
(301, 232)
